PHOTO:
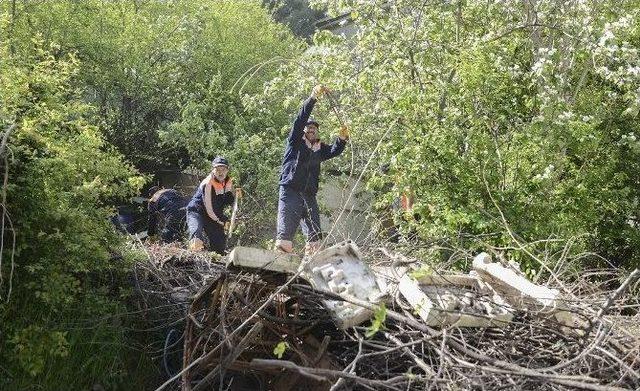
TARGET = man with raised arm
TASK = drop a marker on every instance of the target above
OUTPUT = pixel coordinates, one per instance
(300, 176)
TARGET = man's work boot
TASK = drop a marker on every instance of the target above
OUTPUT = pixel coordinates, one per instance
(196, 244)
(285, 246)
(311, 248)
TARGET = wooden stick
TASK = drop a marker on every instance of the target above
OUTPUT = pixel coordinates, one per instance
(190, 321)
(317, 374)
(253, 332)
(632, 277)
(186, 355)
(419, 362)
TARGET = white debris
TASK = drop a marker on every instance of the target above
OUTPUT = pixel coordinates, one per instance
(487, 297)
(455, 300)
(524, 294)
(340, 269)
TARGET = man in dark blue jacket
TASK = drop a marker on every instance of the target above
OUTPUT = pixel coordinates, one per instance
(300, 176)
(167, 207)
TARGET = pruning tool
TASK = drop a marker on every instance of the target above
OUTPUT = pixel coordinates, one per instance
(234, 213)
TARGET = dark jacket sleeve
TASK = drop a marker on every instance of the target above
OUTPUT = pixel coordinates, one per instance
(153, 218)
(333, 150)
(297, 130)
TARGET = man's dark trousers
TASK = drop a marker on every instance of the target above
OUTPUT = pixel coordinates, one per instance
(298, 208)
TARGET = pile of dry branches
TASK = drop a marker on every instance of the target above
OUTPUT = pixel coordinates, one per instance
(166, 281)
(240, 320)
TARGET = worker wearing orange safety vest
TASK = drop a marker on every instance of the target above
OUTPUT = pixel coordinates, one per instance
(166, 212)
(205, 211)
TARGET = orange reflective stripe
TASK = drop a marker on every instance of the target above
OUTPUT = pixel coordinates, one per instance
(218, 187)
(221, 187)
(404, 202)
(157, 195)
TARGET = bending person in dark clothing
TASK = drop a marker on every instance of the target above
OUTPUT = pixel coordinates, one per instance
(205, 212)
(300, 176)
(166, 209)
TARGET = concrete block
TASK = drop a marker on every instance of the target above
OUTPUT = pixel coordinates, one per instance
(519, 292)
(449, 279)
(464, 304)
(514, 287)
(387, 279)
(420, 302)
(258, 258)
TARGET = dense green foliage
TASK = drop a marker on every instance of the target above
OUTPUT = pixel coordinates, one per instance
(529, 109)
(159, 73)
(61, 178)
(510, 121)
(92, 93)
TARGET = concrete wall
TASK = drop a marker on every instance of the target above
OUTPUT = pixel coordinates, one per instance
(344, 217)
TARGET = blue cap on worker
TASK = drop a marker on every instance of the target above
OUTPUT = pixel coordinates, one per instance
(219, 161)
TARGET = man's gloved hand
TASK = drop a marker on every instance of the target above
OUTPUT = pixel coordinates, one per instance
(344, 132)
(318, 91)
(238, 192)
(226, 226)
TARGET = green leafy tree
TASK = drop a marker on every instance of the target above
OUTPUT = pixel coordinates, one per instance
(149, 66)
(518, 114)
(60, 178)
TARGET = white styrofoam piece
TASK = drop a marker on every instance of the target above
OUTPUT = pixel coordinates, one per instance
(340, 269)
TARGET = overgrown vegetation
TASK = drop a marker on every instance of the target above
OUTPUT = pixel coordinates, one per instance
(510, 122)
(518, 114)
(160, 73)
(60, 178)
(94, 93)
